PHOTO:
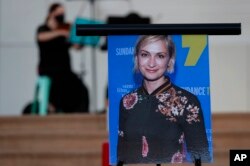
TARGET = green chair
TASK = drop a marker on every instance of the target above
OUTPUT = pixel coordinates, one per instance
(41, 99)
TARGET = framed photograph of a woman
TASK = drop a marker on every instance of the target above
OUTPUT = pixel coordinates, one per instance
(159, 99)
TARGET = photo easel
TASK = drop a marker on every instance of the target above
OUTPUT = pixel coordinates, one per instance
(159, 29)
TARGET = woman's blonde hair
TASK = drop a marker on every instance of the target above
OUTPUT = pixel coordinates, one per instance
(145, 39)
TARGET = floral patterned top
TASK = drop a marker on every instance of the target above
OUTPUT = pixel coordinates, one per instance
(161, 127)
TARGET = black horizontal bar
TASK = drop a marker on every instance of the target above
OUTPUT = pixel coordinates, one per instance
(158, 29)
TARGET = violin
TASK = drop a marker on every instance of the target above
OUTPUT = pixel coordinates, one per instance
(64, 26)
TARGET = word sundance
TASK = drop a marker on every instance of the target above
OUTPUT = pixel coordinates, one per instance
(239, 157)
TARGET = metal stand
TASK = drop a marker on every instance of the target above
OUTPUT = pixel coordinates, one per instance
(197, 162)
(93, 62)
(94, 75)
(120, 163)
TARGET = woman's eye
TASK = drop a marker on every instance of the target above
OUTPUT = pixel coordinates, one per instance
(161, 56)
(144, 54)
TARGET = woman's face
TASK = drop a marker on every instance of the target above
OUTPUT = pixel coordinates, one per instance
(152, 60)
(59, 11)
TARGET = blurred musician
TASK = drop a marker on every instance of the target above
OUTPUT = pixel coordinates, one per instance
(68, 94)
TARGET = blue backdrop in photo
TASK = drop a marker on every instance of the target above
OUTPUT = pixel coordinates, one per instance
(191, 73)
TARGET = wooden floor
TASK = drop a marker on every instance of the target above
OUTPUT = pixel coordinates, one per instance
(76, 140)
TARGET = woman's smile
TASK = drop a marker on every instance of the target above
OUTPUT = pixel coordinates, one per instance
(151, 70)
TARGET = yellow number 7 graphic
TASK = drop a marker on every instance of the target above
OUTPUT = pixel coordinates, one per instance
(196, 45)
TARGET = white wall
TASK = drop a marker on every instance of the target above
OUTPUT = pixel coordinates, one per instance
(228, 70)
(229, 55)
(248, 78)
